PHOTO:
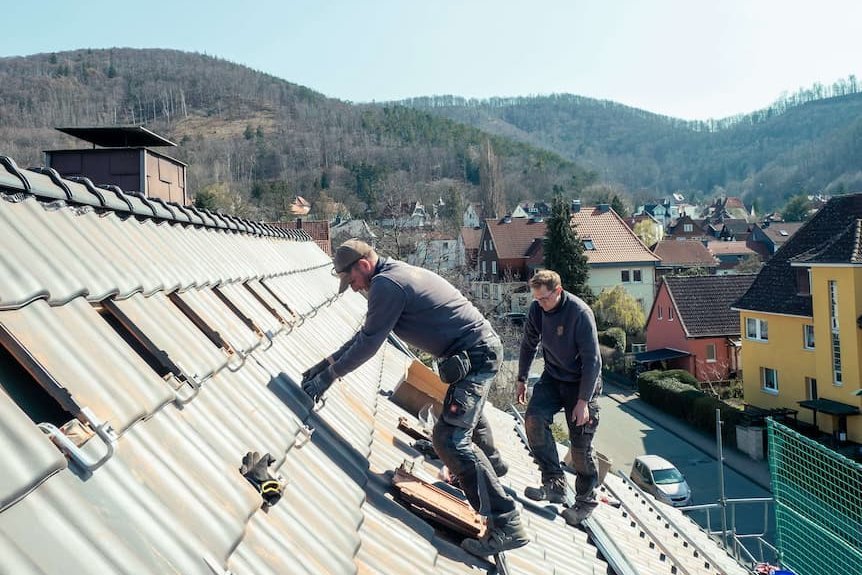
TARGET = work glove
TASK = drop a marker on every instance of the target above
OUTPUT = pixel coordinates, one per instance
(315, 369)
(317, 386)
(255, 468)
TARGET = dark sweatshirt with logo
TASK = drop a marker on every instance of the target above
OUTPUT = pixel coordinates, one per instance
(421, 308)
(569, 341)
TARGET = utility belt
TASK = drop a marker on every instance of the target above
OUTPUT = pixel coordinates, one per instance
(455, 367)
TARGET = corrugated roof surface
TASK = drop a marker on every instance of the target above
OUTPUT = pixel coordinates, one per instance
(704, 303)
(191, 380)
(613, 239)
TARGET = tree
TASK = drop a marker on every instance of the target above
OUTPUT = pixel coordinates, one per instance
(564, 252)
(796, 209)
(617, 308)
(646, 231)
(452, 209)
(750, 265)
(619, 207)
(491, 182)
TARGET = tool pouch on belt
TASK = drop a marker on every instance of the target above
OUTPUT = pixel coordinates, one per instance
(454, 368)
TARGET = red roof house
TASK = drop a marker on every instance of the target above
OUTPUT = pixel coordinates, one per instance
(691, 326)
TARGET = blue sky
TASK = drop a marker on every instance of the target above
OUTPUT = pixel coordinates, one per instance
(691, 59)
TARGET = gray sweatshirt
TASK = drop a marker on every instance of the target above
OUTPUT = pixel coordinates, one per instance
(570, 344)
(421, 308)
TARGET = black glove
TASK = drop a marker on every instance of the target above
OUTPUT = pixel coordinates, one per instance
(312, 371)
(256, 470)
(316, 386)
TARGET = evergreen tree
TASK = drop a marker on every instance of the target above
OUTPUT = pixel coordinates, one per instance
(796, 209)
(618, 206)
(564, 252)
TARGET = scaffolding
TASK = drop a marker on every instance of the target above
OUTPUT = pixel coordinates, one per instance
(818, 504)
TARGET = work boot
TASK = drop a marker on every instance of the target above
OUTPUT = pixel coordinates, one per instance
(552, 490)
(501, 469)
(574, 515)
(509, 535)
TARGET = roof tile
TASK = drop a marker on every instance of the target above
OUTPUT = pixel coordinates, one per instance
(774, 290)
(684, 253)
(704, 302)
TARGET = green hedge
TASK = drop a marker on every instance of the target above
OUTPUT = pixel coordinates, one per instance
(613, 337)
(679, 375)
(688, 403)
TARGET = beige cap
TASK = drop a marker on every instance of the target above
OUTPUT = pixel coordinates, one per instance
(346, 255)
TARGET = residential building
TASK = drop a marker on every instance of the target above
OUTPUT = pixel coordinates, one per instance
(802, 333)
(686, 228)
(615, 254)
(734, 230)
(773, 235)
(729, 254)
(317, 229)
(654, 226)
(727, 208)
(405, 215)
(503, 248)
(438, 251)
(474, 216)
(680, 257)
(691, 325)
(344, 230)
(470, 238)
(511, 250)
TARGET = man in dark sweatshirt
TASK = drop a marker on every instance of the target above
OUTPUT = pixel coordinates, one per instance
(427, 312)
(572, 380)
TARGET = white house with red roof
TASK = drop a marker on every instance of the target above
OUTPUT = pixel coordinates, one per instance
(511, 250)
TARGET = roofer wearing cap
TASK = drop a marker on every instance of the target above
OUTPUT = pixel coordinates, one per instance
(427, 312)
(572, 380)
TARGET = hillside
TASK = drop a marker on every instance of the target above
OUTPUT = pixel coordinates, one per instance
(810, 142)
(253, 141)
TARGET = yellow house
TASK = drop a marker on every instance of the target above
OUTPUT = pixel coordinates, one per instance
(801, 324)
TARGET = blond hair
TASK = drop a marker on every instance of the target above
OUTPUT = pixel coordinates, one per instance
(547, 278)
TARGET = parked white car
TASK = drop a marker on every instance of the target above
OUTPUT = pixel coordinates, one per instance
(659, 477)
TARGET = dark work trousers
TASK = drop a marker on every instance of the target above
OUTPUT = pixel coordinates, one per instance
(463, 440)
(549, 395)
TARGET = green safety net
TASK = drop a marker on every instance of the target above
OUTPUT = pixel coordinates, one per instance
(818, 505)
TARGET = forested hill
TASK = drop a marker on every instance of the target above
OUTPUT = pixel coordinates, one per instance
(809, 142)
(253, 141)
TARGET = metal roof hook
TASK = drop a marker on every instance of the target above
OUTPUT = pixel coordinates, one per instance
(303, 437)
(320, 404)
(180, 401)
(270, 336)
(102, 429)
(242, 357)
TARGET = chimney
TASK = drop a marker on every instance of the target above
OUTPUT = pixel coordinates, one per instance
(507, 219)
(576, 206)
(603, 208)
(123, 159)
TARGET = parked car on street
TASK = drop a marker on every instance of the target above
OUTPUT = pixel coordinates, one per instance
(659, 477)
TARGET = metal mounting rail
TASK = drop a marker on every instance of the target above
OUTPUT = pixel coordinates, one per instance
(604, 542)
(708, 554)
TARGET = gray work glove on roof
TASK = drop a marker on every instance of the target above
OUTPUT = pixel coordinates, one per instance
(317, 385)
